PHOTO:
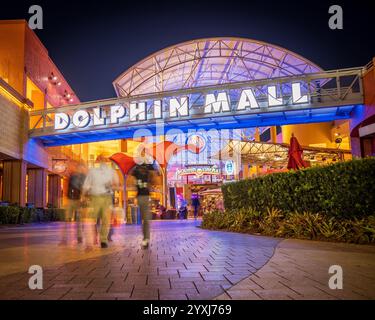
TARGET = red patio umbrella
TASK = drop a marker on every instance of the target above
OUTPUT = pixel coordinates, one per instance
(295, 160)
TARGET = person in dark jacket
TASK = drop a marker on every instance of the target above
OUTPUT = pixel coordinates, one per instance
(195, 203)
(142, 174)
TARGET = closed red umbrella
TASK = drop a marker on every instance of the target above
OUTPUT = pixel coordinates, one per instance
(161, 152)
(295, 161)
(125, 162)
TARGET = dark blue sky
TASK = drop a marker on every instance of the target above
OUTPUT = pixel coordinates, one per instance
(93, 42)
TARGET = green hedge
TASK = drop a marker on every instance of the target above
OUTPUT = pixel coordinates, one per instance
(345, 189)
(18, 215)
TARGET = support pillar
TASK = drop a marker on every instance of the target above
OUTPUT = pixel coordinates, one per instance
(245, 171)
(14, 181)
(257, 139)
(37, 187)
(355, 144)
(124, 145)
(273, 134)
(125, 197)
(257, 135)
(165, 186)
(54, 190)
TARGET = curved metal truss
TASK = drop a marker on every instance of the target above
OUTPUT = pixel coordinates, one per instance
(210, 61)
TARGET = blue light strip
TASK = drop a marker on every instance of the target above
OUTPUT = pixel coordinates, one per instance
(242, 121)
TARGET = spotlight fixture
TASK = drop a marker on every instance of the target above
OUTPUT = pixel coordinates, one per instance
(338, 140)
(54, 79)
(68, 96)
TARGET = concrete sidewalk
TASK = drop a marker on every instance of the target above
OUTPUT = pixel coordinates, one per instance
(299, 270)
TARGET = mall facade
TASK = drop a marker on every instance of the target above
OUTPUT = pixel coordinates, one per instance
(212, 110)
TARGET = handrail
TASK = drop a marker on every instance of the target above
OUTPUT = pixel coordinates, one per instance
(227, 86)
(15, 94)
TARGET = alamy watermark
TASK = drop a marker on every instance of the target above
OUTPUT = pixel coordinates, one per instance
(36, 280)
(336, 21)
(36, 20)
(335, 281)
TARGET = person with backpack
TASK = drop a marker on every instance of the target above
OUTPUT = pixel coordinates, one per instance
(142, 174)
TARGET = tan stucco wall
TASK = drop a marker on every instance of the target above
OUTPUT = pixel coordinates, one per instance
(13, 128)
(14, 142)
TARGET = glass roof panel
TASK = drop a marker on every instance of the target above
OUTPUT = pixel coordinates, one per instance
(208, 62)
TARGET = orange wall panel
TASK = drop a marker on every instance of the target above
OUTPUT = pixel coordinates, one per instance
(12, 48)
(369, 87)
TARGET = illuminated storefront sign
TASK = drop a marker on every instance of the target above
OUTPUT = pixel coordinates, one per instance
(229, 167)
(198, 171)
(59, 166)
(253, 99)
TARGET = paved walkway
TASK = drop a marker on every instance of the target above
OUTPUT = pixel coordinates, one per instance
(299, 270)
(183, 262)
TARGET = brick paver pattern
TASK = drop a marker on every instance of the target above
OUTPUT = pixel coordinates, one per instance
(299, 270)
(183, 262)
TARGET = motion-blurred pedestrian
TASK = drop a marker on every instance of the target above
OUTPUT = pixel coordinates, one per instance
(100, 185)
(142, 173)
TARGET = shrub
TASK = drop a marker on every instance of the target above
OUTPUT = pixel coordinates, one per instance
(53, 214)
(304, 225)
(239, 220)
(9, 214)
(14, 214)
(345, 189)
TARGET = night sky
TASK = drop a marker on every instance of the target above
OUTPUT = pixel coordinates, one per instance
(94, 42)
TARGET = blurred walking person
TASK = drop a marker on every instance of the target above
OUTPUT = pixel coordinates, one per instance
(142, 173)
(196, 204)
(73, 210)
(99, 186)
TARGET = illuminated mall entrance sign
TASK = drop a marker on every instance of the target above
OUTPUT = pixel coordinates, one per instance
(198, 171)
(142, 111)
(307, 98)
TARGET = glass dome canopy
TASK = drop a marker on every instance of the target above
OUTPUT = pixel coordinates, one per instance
(210, 61)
